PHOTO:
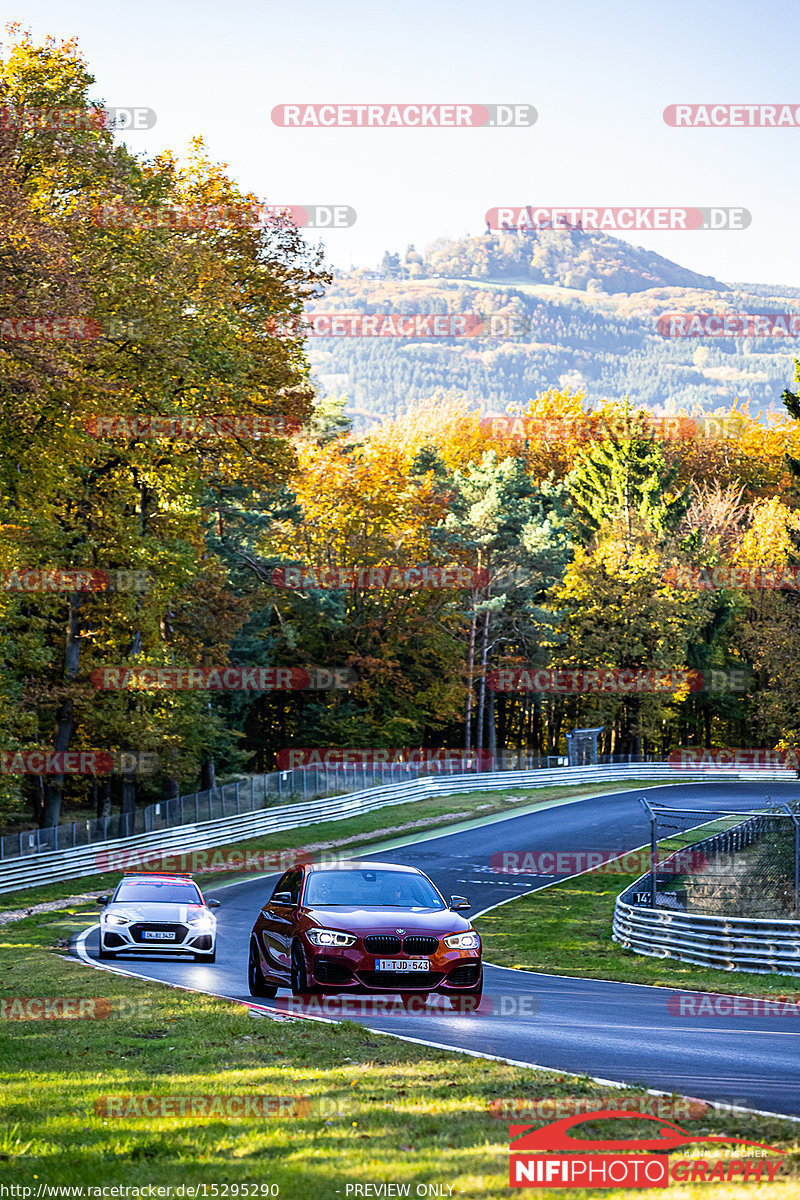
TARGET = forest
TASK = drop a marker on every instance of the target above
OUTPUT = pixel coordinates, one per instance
(205, 563)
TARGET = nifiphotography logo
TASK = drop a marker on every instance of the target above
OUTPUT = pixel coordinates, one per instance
(625, 1162)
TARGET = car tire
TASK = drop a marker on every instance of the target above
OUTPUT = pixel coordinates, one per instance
(207, 958)
(299, 977)
(105, 953)
(255, 976)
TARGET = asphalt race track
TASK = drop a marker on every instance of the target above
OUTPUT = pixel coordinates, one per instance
(614, 1031)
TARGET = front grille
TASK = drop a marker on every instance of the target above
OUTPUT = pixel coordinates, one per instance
(113, 939)
(416, 944)
(466, 975)
(382, 943)
(400, 981)
(327, 971)
(139, 928)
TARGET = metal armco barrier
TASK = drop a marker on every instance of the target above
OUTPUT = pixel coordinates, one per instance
(761, 946)
(729, 943)
(55, 866)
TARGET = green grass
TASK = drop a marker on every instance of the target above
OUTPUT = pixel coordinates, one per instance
(374, 826)
(565, 929)
(381, 1109)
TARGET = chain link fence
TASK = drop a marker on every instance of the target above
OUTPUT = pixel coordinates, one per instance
(728, 865)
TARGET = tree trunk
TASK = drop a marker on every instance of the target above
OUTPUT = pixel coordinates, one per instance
(208, 775)
(50, 813)
(127, 820)
(102, 797)
(470, 673)
(482, 686)
(493, 734)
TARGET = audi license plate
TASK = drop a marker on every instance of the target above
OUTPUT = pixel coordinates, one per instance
(401, 964)
(157, 935)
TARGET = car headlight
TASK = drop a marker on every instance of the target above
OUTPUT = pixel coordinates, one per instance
(463, 941)
(114, 919)
(330, 937)
(203, 921)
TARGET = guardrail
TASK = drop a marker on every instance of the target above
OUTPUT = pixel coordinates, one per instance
(261, 791)
(760, 946)
(729, 943)
(32, 870)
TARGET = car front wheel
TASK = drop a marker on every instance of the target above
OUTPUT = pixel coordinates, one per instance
(299, 977)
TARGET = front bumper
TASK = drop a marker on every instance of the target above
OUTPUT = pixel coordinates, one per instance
(353, 970)
(131, 938)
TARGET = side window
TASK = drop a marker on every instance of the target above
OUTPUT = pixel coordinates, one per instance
(290, 882)
(283, 884)
(293, 884)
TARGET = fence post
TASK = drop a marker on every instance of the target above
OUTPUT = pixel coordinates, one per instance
(653, 848)
(238, 806)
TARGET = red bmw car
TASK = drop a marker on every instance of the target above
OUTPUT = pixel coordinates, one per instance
(363, 927)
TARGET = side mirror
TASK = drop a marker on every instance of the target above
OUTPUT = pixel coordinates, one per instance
(458, 902)
(213, 903)
(282, 898)
(103, 900)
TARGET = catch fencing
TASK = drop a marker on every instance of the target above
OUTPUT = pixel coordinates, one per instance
(730, 899)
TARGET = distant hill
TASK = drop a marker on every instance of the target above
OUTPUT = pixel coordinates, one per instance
(589, 304)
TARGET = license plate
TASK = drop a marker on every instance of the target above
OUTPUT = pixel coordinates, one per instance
(402, 964)
(157, 935)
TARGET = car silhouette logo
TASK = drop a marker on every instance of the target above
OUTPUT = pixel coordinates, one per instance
(666, 1135)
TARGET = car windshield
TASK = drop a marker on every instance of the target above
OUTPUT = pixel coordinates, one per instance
(371, 889)
(151, 891)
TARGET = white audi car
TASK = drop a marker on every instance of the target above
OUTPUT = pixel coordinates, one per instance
(156, 913)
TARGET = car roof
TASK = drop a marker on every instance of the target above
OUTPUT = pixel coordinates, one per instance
(363, 866)
(157, 876)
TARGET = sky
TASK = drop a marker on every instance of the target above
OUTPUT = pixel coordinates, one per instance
(598, 74)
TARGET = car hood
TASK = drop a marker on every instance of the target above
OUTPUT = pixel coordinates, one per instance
(387, 920)
(156, 911)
